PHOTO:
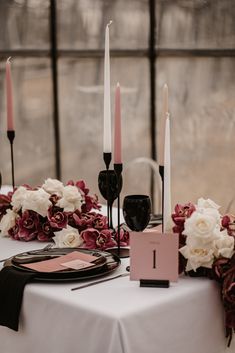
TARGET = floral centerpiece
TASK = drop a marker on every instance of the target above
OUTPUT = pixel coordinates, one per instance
(65, 214)
(207, 248)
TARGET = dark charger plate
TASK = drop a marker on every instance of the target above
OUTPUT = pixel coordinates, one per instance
(106, 264)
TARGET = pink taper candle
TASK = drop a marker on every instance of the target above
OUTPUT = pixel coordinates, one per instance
(117, 127)
(10, 122)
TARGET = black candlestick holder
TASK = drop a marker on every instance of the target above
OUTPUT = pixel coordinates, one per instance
(11, 137)
(107, 157)
(121, 252)
(161, 172)
(109, 188)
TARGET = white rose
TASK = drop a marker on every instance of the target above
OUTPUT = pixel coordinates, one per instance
(204, 227)
(7, 222)
(18, 198)
(224, 246)
(197, 257)
(53, 186)
(203, 203)
(37, 201)
(68, 238)
(71, 199)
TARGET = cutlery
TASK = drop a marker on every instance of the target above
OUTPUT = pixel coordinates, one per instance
(100, 281)
(47, 247)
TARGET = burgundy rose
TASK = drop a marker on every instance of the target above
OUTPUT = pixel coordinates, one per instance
(14, 231)
(82, 186)
(220, 266)
(90, 237)
(91, 202)
(54, 199)
(105, 240)
(57, 218)
(80, 220)
(181, 213)
(94, 239)
(46, 232)
(5, 203)
(124, 237)
(99, 221)
(228, 222)
(28, 226)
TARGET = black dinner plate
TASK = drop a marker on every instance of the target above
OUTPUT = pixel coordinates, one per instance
(108, 263)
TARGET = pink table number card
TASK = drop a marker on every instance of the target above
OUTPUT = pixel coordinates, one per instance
(154, 256)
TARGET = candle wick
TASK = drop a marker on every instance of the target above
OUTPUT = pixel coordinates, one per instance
(110, 22)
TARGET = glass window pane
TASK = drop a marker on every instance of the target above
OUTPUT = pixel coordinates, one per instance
(34, 141)
(195, 23)
(24, 24)
(202, 108)
(81, 24)
(81, 119)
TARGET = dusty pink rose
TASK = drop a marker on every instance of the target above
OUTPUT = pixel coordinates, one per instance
(45, 232)
(57, 219)
(28, 226)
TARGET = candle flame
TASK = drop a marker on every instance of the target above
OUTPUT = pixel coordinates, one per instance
(110, 22)
(8, 60)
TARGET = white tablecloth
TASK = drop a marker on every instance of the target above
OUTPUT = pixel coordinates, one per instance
(116, 317)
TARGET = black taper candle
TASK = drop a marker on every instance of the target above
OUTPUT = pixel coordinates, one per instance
(161, 172)
(11, 137)
(118, 170)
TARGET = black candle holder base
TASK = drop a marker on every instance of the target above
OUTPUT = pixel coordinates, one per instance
(121, 252)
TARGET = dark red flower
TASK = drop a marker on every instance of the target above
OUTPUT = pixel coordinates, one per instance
(57, 218)
(94, 239)
(5, 203)
(99, 221)
(45, 232)
(28, 226)
(228, 222)
(91, 202)
(124, 237)
(179, 216)
(80, 220)
(14, 231)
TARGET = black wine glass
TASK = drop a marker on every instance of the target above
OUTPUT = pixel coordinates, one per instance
(137, 211)
(109, 188)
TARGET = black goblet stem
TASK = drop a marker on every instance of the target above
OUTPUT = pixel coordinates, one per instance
(118, 170)
(11, 137)
(0, 180)
(107, 157)
(161, 172)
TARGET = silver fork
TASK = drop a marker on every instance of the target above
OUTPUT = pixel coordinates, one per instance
(47, 247)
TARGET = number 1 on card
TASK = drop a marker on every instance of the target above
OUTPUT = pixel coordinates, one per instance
(154, 258)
